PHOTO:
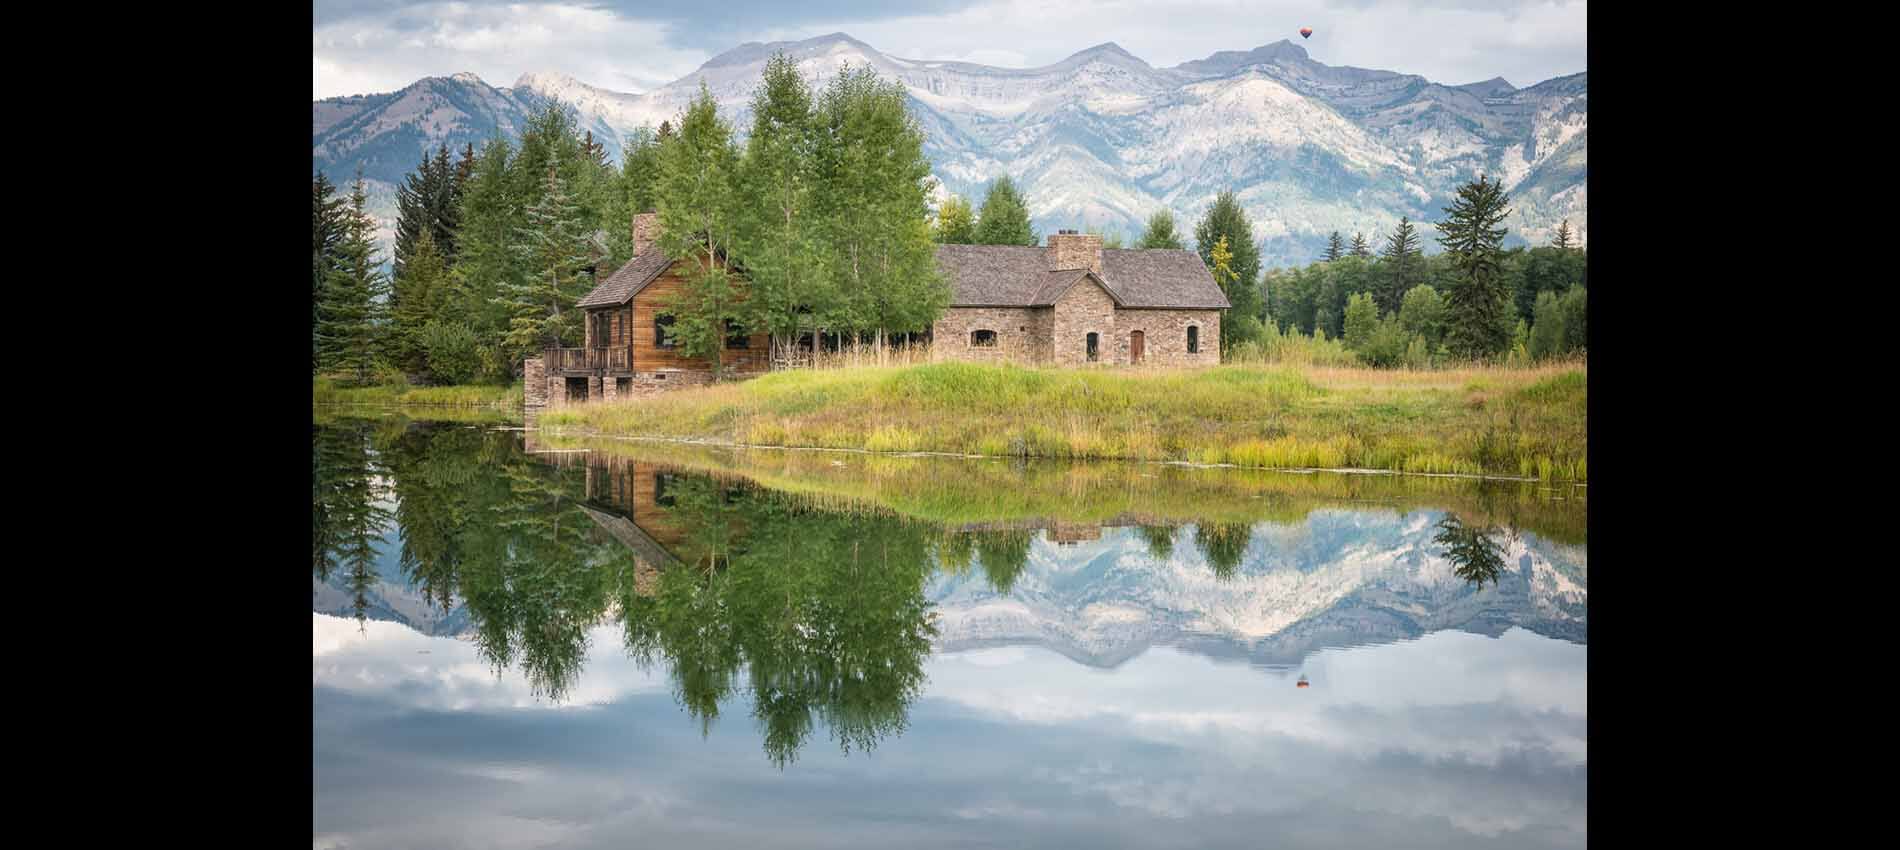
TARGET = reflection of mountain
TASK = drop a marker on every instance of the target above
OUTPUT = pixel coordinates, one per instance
(1339, 579)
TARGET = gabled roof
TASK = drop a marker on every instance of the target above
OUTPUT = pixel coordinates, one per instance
(1019, 276)
(622, 285)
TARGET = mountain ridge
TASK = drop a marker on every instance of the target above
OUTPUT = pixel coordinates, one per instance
(1099, 139)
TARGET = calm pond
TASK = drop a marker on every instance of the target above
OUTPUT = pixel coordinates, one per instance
(524, 641)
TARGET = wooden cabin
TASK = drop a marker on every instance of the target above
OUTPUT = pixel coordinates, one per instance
(629, 349)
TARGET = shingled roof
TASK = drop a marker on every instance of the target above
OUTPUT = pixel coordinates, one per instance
(1019, 276)
(628, 281)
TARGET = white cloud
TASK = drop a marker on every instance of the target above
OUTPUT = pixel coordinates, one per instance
(1451, 43)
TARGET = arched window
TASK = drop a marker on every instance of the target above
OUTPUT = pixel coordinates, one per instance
(1194, 340)
(982, 339)
(663, 331)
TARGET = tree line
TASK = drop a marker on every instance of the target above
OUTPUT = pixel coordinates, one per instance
(824, 210)
(1475, 301)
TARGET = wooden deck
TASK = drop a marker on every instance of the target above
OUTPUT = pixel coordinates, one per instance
(589, 362)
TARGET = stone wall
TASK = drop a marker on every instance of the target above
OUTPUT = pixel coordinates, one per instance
(1075, 251)
(1164, 336)
(1086, 308)
(1022, 335)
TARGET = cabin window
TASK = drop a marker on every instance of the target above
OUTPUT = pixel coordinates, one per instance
(982, 339)
(660, 496)
(663, 331)
(1194, 340)
(603, 329)
(736, 336)
(1095, 347)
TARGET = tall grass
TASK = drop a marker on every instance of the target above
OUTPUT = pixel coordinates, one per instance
(1491, 421)
(325, 390)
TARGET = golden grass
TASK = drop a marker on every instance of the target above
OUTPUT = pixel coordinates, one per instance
(1499, 421)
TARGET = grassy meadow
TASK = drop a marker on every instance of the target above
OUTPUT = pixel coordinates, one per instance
(328, 391)
(1528, 422)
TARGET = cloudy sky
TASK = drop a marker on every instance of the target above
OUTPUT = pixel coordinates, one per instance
(365, 46)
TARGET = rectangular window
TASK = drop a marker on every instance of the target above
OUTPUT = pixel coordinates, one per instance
(736, 336)
(603, 329)
(1194, 340)
(663, 331)
(1094, 347)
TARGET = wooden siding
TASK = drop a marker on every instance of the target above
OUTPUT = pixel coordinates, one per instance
(649, 356)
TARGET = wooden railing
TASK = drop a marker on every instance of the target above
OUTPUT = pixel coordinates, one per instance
(619, 358)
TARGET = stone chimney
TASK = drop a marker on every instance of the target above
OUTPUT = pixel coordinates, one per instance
(646, 230)
(1071, 250)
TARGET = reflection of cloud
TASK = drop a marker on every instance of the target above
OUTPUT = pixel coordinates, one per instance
(387, 660)
(1430, 743)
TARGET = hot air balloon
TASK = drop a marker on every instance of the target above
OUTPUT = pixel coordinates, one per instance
(1306, 32)
(1301, 683)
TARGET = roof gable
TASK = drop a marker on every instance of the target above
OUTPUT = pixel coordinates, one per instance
(621, 286)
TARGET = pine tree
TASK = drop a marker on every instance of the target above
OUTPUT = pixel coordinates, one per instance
(350, 320)
(696, 198)
(326, 226)
(551, 249)
(1226, 218)
(1004, 219)
(877, 194)
(1403, 265)
(1478, 306)
(777, 229)
(1360, 248)
(956, 222)
(1334, 248)
(485, 265)
(1161, 232)
(418, 296)
(1563, 235)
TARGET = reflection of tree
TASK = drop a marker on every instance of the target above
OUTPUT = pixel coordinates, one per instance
(824, 611)
(1003, 555)
(1160, 540)
(346, 517)
(1474, 556)
(1223, 544)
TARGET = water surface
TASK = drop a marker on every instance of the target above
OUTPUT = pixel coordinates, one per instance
(524, 642)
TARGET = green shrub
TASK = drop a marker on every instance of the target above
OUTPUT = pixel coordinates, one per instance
(1385, 346)
(1547, 329)
(452, 351)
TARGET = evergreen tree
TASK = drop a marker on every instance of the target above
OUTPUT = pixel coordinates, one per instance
(1334, 247)
(1403, 265)
(1562, 241)
(956, 222)
(326, 233)
(1225, 218)
(1576, 313)
(417, 296)
(877, 194)
(1160, 232)
(349, 322)
(551, 249)
(1004, 219)
(1547, 331)
(695, 197)
(1478, 314)
(1360, 248)
(777, 231)
(1362, 318)
(427, 201)
(486, 266)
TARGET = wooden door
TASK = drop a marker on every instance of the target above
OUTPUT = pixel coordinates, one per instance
(1134, 347)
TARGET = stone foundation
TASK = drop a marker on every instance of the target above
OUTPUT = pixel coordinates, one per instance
(534, 383)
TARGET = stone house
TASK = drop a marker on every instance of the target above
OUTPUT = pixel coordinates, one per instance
(628, 349)
(1074, 303)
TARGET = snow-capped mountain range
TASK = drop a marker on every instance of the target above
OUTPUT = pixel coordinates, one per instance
(1100, 140)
